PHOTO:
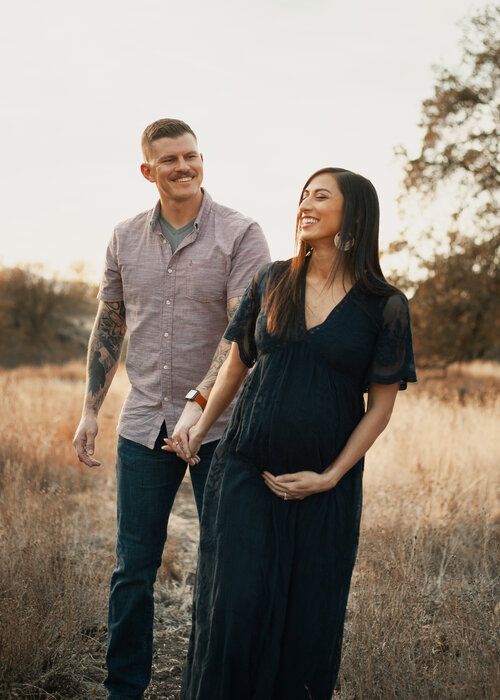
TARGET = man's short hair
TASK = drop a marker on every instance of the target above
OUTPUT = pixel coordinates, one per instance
(170, 128)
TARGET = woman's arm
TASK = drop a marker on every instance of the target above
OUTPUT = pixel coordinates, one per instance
(229, 378)
(381, 398)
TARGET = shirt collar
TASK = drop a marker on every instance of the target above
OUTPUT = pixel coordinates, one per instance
(206, 205)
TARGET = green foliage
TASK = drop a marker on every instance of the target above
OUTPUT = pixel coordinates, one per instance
(455, 311)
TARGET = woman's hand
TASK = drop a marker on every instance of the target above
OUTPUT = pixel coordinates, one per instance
(172, 445)
(296, 486)
(180, 449)
(195, 440)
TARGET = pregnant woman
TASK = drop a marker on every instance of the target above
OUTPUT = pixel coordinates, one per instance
(282, 503)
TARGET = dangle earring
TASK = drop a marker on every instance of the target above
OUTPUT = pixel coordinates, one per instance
(344, 247)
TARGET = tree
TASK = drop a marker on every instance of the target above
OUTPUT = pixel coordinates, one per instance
(455, 310)
(455, 178)
(43, 319)
(459, 153)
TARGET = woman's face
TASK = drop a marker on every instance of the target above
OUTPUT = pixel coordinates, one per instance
(320, 210)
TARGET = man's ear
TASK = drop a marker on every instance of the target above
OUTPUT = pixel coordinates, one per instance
(201, 156)
(146, 171)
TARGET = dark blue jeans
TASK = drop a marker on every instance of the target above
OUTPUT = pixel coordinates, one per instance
(147, 482)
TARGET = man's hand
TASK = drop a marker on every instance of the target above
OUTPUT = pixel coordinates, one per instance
(84, 440)
(179, 442)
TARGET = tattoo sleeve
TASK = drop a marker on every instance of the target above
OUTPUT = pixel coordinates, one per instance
(104, 351)
(222, 351)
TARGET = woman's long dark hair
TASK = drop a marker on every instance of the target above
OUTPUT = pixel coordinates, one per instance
(284, 301)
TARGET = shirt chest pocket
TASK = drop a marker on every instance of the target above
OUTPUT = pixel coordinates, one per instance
(206, 279)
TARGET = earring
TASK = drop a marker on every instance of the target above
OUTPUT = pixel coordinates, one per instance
(347, 245)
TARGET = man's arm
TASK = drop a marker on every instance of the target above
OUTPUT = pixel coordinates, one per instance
(104, 350)
(192, 411)
(222, 351)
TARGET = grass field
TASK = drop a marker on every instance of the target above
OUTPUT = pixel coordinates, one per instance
(423, 611)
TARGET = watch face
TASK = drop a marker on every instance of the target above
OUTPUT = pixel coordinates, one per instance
(192, 394)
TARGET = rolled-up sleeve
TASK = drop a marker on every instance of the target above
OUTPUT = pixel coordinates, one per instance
(111, 287)
(250, 254)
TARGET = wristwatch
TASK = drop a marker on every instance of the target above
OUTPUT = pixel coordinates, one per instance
(194, 395)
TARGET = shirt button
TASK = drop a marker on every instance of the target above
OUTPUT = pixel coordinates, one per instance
(168, 302)
(165, 398)
(169, 270)
(165, 366)
(166, 335)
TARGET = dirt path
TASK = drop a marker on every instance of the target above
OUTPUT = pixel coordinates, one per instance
(173, 594)
(173, 597)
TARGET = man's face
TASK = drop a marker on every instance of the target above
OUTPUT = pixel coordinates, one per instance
(176, 166)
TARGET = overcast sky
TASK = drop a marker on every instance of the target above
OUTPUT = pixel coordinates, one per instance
(274, 90)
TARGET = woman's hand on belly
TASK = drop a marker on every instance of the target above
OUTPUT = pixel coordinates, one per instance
(296, 486)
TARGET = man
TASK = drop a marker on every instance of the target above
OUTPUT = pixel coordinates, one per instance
(174, 276)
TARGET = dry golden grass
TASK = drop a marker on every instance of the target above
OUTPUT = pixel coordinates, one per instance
(421, 620)
(52, 581)
(478, 368)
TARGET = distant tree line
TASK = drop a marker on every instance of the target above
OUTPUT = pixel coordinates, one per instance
(455, 310)
(43, 319)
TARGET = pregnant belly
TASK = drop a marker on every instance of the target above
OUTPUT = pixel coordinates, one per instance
(294, 424)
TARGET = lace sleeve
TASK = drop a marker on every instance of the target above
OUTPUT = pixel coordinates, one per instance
(241, 328)
(393, 359)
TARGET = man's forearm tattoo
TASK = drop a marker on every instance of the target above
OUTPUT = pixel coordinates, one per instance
(222, 350)
(104, 349)
(220, 355)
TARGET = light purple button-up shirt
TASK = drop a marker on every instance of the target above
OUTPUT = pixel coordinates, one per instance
(176, 307)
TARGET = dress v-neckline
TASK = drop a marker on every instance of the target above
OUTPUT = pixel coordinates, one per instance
(329, 314)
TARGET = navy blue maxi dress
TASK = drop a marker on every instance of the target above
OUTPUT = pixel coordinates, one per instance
(273, 575)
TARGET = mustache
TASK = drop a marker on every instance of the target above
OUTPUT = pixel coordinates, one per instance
(181, 175)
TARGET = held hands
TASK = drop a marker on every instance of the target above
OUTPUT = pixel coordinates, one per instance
(186, 441)
(188, 449)
(296, 487)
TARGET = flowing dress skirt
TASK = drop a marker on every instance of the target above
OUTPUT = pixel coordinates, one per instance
(272, 586)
